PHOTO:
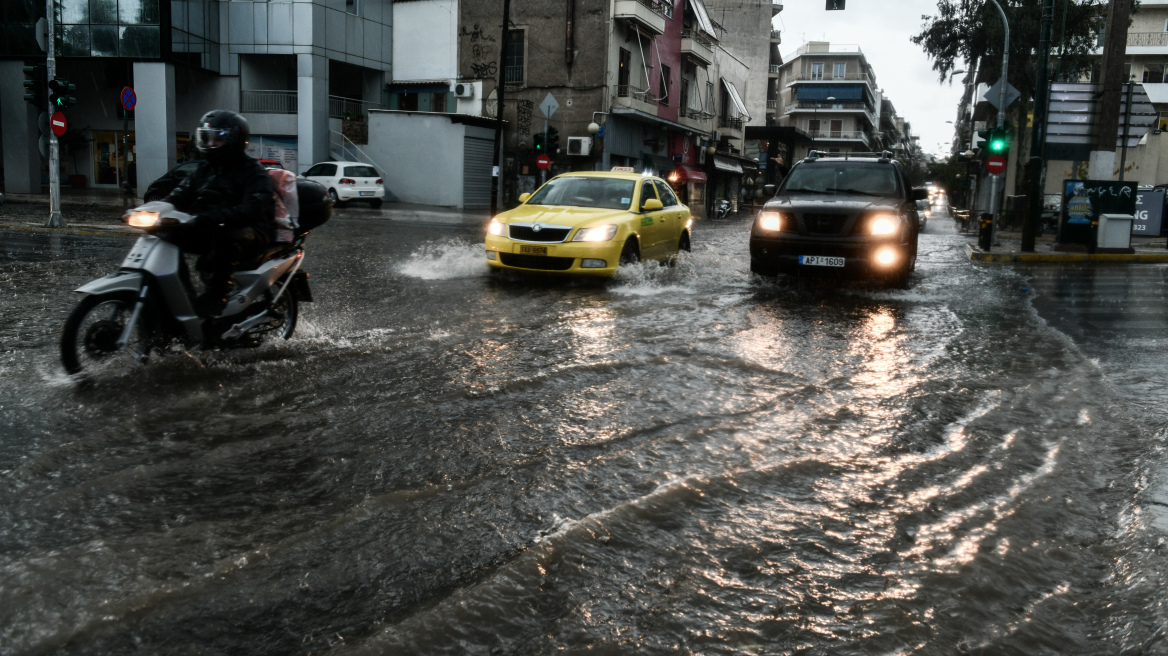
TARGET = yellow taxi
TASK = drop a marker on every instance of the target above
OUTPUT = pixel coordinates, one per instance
(588, 223)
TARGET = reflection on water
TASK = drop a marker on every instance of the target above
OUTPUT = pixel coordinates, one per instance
(685, 459)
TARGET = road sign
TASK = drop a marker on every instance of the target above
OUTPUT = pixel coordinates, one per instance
(543, 162)
(128, 98)
(42, 34)
(549, 106)
(58, 124)
(996, 164)
(994, 94)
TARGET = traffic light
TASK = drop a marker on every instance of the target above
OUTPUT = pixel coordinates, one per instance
(537, 143)
(999, 142)
(36, 79)
(553, 141)
(983, 138)
(59, 91)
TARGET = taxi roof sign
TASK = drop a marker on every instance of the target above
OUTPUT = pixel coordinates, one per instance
(624, 169)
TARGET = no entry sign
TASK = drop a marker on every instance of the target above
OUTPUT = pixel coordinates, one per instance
(58, 124)
(128, 98)
(996, 164)
(543, 162)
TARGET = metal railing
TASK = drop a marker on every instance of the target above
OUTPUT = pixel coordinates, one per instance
(772, 104)
(340, 107)
(662, 9)
(826, 105)
(513, 74)
(697, 36)
(841, 134)
(1147, 39)
(775, 69)
(732, 122)
(823, 77)
(343, 148)
(629, 91)
(776, 35)
(268, 102)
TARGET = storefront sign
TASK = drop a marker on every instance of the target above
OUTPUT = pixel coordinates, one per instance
(1085, 200)
(1149, 214)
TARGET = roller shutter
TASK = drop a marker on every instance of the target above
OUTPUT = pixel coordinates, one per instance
(476, 172)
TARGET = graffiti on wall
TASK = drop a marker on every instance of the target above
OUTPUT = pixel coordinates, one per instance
(523, 111)
(483, 63)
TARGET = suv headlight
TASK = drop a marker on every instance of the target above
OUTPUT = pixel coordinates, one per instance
(599, 233)
(884, 224)
(497, 228)
(770, 221)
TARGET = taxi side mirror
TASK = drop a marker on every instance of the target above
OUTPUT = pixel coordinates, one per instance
(523, 197)
(651, 205)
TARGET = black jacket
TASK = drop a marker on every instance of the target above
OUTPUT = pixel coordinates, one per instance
(236, 194)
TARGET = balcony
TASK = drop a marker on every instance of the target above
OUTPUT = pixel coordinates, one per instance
(843, 135)
(776, 36)
(698, 46)
(350, 108)
(730, 122)
(645, 14)
(626, 95)
(268, 102)
(1147, 43)
(772, 105)
(808, 76)
(774, 69)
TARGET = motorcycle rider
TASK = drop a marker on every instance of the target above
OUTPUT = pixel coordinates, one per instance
(231, 197)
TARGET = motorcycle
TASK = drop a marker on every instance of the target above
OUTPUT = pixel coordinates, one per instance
(722, 209)
(149, 302)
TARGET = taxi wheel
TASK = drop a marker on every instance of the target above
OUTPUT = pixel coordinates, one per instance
(631, 253)
(683, 243)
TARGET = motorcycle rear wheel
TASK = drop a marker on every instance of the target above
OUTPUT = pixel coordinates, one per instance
(89, 338)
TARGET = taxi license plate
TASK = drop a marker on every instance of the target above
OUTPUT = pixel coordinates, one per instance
(366, 193)
(533, 250)
(820, 260)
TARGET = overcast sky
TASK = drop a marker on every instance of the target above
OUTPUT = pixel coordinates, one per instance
(882, 29)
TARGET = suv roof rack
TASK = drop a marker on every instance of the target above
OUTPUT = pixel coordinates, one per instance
(883, 156)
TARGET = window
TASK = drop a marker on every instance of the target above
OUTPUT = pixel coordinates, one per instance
(1166, 26)
(360, 171)
(668, 198)
(837, 127)
(1153, 73)
(351, 6)
(513, 60)
(709, 98)
(647, 192)
(684, 97)
(813, 126)
(839, 70)
(622, 76)
(438, 104)
(665, 73)
(817, 71)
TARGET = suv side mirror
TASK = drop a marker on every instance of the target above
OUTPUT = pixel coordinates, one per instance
(769, 190)
(651, 205)
(920, 193)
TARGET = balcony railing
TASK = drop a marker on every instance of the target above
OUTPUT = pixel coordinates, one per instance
(650, 14)
(732, 122)
(697, 46)
(1147, 39)
(823, 77)
(629, 91)
(268, 102)
(340, 107)
(841, 135)
(697, 36)
(776, 36)
(775, 69)
(772, 104)
(513, 74)
(829, 105)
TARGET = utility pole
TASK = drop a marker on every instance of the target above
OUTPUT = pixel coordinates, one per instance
(1107, 114)
(1038, 132)
(55, 218)
(502, 84)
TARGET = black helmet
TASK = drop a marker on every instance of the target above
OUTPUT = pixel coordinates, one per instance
(221, 133)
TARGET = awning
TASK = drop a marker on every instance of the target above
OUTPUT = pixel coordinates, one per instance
(736, 99)
(1157, 93)
(727, 164)
(683, 173)
(704, 22)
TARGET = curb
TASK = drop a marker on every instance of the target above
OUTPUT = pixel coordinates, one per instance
(978, 255)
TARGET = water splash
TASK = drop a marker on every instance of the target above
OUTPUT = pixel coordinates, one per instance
(446, 260)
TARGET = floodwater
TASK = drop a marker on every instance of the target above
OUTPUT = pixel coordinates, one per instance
(686, 460)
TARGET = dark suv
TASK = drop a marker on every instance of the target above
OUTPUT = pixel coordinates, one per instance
(851, 215)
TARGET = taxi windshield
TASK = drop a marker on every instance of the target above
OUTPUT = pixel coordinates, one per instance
(842, 178)
(607, 193)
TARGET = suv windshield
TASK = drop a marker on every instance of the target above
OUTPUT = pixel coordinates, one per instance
(842, 178)
(607, 193)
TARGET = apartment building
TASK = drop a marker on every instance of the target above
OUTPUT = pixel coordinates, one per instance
(296, 70)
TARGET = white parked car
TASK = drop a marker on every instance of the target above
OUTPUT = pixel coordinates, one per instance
(348, 181)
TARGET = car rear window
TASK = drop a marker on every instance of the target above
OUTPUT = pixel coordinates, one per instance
(360, 171)
(842, 178)
(607, 193)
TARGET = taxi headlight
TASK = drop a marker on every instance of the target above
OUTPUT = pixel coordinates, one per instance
(497, 228)
(599, 233)
(885, 224)
(139, 219)
(770, 221)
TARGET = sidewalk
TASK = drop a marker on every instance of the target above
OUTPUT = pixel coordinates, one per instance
(1148, 250)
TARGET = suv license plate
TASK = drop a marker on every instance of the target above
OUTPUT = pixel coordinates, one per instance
(819, 260)
(533, 250)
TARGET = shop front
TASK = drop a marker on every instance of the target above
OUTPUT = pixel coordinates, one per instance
(687, 179)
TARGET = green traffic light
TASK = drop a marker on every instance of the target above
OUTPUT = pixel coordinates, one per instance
(998, 145)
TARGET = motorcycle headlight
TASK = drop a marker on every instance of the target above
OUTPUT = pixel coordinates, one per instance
(497, 228)
(883, 224)
(139, 219)
(599, 233)
(770, 221)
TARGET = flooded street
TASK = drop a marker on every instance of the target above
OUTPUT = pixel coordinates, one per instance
(685, 460)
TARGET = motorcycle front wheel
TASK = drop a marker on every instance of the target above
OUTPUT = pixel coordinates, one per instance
(89, 340)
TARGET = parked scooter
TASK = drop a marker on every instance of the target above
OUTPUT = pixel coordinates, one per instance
(149, 302)
(722, 209)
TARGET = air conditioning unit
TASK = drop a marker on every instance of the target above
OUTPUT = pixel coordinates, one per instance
(464, 90)
(579, 145)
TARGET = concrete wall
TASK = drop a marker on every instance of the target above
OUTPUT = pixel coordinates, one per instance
(426, 44)
(419, 155)
(747, 31)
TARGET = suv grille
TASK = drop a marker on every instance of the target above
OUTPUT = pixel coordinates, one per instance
(824, 224)
(546, 233)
